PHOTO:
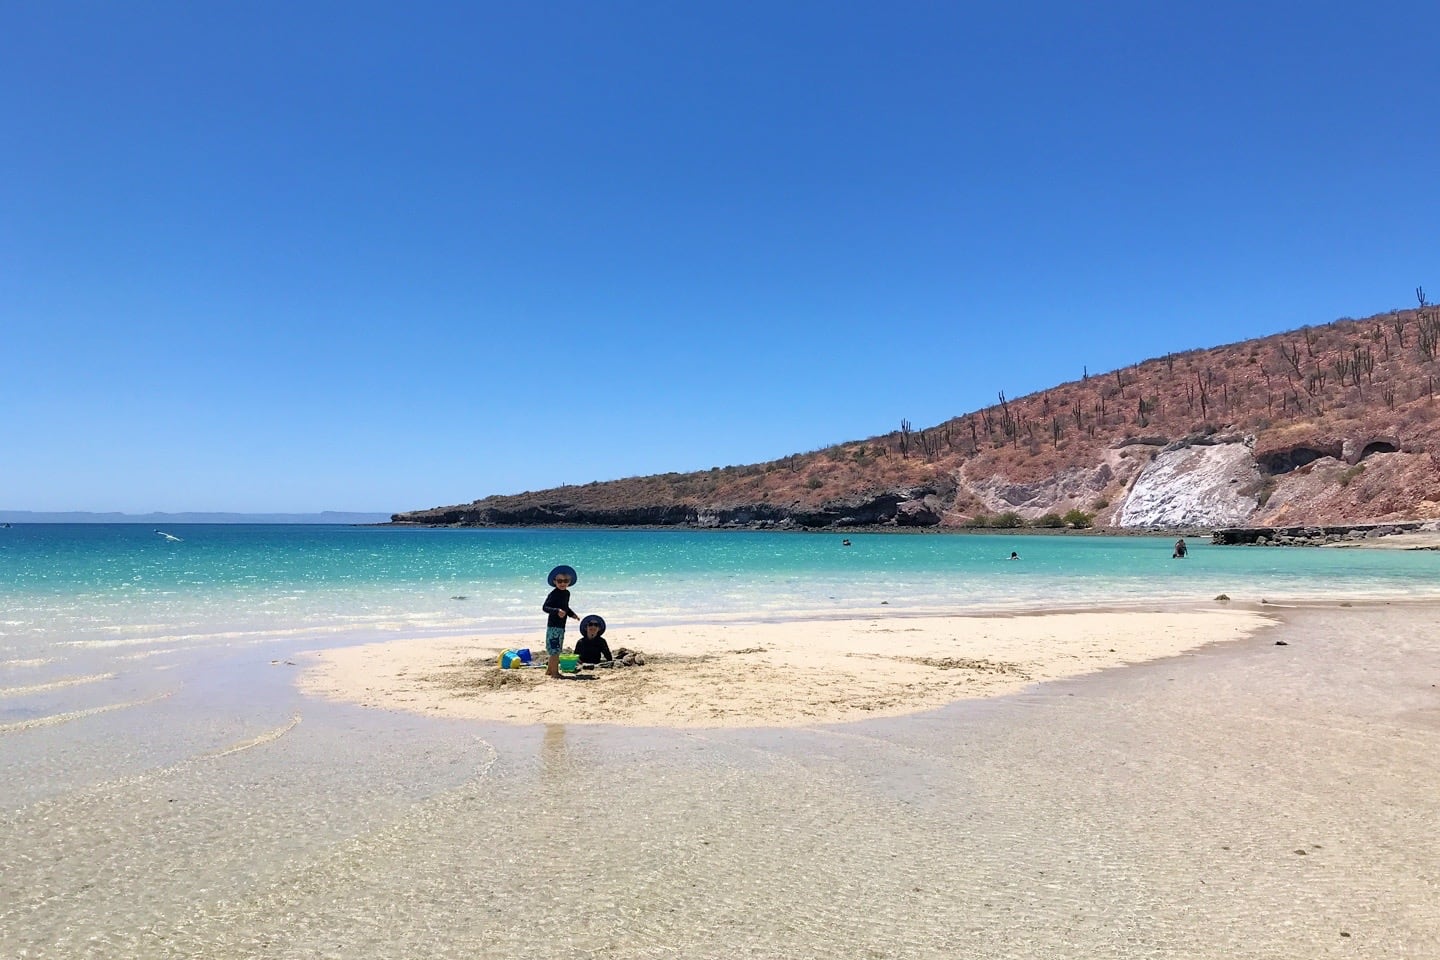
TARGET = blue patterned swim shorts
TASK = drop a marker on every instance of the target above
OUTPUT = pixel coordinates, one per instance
(554, 640)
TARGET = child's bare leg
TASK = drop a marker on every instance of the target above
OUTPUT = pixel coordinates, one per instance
(554, 646)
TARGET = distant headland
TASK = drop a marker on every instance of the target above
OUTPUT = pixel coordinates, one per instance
(1327, 425)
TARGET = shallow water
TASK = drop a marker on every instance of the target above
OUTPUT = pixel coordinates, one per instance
(1250, 801)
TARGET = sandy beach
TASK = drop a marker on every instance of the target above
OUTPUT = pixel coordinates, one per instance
(1206, 791)
(770, 674)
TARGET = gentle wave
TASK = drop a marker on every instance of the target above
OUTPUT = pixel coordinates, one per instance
(7, 692)
(73, 715)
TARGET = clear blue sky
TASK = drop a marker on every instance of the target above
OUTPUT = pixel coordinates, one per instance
(301, 256)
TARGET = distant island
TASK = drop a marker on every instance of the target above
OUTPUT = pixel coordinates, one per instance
(80, 516)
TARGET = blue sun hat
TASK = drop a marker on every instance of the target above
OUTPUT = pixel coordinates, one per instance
(596, 619)
(559, 571)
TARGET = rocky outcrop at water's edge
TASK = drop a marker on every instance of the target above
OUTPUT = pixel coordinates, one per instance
(917, 507)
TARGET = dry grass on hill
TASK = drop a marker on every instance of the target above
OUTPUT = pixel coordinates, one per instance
(1353, 379)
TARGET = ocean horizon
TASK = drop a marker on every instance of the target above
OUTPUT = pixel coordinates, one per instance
(192, 516)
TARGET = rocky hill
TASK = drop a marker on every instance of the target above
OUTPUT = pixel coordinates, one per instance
(1328, 424)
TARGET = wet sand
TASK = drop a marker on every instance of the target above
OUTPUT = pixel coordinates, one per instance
(1241, 800)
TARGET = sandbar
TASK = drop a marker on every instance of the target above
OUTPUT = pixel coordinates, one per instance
(769, 674)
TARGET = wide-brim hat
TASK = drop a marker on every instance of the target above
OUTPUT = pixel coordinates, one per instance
(594, 618)
(562, 570)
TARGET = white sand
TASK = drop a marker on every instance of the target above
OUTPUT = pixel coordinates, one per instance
(768, 674)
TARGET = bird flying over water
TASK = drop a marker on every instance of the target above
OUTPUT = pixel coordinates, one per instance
(167, 536)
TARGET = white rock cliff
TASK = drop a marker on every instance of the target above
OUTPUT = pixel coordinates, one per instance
(1194, 486)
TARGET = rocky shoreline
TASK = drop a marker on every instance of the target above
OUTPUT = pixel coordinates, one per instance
(887, 515)
(910, 507)
(1317, 536)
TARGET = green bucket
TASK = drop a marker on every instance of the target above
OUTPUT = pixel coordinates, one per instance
(569, 663)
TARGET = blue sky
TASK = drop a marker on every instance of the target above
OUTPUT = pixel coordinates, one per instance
(355, 256)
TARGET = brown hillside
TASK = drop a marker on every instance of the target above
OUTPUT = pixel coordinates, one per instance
(1311, 404)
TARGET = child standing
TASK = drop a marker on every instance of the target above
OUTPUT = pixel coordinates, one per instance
(557, 605)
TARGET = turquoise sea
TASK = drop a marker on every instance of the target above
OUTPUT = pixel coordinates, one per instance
(67, 588)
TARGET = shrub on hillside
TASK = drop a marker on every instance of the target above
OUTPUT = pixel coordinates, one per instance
(1009, 520)
(1050, 521)
(1078, 519)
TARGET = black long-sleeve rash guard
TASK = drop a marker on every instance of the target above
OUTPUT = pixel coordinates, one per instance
(558, 606)
(592, 649)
